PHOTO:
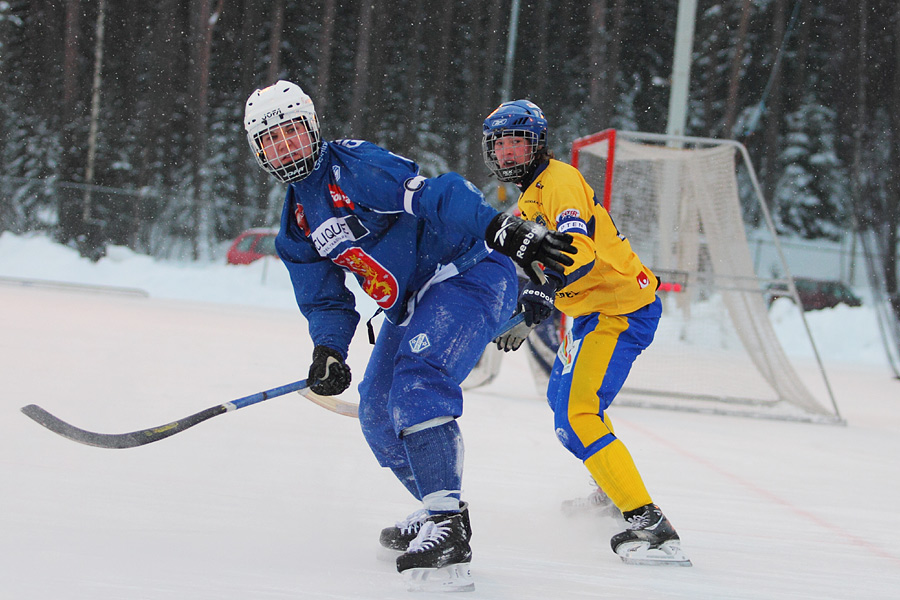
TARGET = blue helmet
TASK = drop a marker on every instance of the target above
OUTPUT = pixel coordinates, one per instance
(520, 119)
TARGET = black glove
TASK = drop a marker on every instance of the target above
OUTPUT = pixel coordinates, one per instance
(528, 243)
(536, 300)
(512, 339)
(328, 374)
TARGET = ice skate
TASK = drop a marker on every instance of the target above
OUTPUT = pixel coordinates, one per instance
(649, 540)
(403, 532)
(596, 503)
(398, 537)
(437, 560)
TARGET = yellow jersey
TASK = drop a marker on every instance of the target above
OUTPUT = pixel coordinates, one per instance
(607, 276)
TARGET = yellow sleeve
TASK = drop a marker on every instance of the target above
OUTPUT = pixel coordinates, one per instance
(568, 203)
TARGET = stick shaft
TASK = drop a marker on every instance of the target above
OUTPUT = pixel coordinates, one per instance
(152, 434)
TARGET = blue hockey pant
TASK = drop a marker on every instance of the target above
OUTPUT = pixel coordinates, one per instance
(415, 371)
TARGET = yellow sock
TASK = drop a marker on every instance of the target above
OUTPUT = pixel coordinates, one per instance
(615, 472)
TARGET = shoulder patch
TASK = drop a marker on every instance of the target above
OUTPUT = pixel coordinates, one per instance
(570, 220)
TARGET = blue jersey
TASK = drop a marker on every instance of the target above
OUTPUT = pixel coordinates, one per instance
(367, 211)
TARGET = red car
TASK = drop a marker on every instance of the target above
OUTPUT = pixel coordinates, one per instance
(816, 294)
(252, 245)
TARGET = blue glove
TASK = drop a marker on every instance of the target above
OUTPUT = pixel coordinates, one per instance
(537, 299)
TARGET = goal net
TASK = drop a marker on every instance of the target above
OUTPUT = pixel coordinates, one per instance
(677, 201)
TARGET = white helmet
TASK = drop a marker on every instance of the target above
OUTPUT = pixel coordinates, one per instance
(271, 117)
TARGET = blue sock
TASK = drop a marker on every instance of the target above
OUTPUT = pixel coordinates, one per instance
(435, 456)
(405, 475)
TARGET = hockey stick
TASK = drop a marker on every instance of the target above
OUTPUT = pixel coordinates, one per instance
(335, 405)
(154, 434)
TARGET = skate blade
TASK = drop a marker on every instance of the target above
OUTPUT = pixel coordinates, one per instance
(452, 578)
(640, 553)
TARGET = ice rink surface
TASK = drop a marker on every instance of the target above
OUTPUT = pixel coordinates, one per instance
(283, 500)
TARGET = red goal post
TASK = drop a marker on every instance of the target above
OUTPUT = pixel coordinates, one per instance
(607, 136)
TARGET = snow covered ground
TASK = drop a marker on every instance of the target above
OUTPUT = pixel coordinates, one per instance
(283, 500)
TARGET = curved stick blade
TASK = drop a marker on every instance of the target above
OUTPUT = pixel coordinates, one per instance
(335, 405)
(117, 440)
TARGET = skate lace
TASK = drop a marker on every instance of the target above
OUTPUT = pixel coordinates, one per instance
(430, 535)
(413, 522)
(639, 521)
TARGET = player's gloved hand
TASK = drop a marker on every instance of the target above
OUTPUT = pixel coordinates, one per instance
(329, 375)
(536, 300)
(529, 243)
(512, 339)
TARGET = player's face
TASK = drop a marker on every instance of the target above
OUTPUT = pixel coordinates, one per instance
(512, 150)
(286, 143)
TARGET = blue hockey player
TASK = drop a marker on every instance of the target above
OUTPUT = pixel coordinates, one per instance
(433, 255)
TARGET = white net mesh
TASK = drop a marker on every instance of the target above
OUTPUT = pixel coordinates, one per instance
(716, 349)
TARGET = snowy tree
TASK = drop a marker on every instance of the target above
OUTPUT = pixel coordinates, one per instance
(811, 196)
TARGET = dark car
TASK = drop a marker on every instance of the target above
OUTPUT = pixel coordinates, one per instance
(251, 245)
(816, 294)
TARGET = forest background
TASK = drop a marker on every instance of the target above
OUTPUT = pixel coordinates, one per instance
(121, 121)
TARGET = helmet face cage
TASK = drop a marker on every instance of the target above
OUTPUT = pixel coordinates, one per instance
(511, 173)
(283, 131)
(288, 150)
(519, 118)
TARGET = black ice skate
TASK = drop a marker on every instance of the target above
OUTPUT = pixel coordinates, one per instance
(403, 532)
(438, 558)
(649, 540)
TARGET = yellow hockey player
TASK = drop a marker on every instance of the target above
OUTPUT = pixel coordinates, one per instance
(610, 296)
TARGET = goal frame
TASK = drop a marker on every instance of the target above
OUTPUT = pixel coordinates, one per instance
(610, 136)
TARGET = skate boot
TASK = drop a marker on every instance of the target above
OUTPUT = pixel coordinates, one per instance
(649, 540)
(438, 558)
(403, 532)
(595, 503)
